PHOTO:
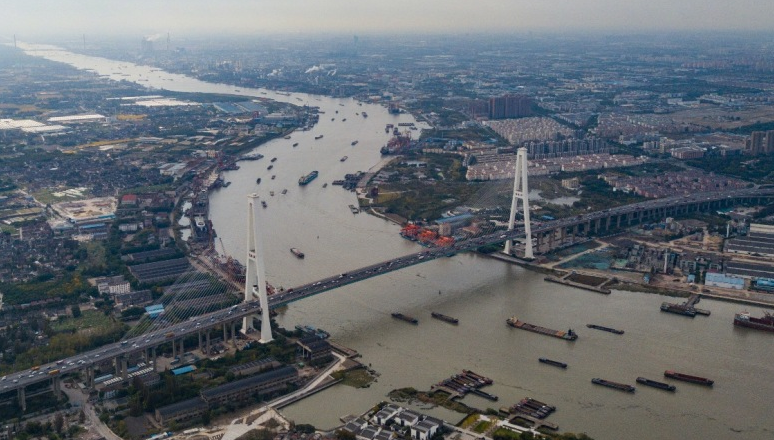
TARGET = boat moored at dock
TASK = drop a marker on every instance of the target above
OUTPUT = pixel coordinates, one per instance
(569, 335)
(406, 318)
(552, 362)
(606, 329)
(656, 384)
(678, 309)
(688, 378)
(614, 385)
(443, 317)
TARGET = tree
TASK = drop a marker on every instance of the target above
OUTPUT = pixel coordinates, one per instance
(76, 311)
(58, 423)
(81, 417)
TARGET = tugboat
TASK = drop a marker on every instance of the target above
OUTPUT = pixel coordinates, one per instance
(344, 158)
(263, 203)
(354, 143)
(284, 191)
(270, 167)
(296, 144)
(318, 137)
(273, 159)
(258, 181)
(297, 253)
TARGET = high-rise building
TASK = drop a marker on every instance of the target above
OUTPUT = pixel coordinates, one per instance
(509, 106)
(756, 142)
(769, 142)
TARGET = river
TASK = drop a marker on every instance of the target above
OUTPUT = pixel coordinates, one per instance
(480, 291)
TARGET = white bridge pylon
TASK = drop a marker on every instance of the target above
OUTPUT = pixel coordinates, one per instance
(520, 192)
(255, 279)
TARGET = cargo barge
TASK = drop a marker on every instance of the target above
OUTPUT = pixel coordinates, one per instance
(678, 309)
(656, 384)
(569, 335)
(443, 317)
(297, 252)
(688, 378)
(406, 318)
(303, 180)
(606, 329)
(614, 385)
(745, 320)
(552, 362)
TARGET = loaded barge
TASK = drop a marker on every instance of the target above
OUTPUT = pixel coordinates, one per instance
(614, 385)
(467, 382)
(552, 362)
(443, 317)
(656, 384)
(406, 318)
(533, 408)
(606, 329)
(569, 335)
(688, 378)
(745, 320)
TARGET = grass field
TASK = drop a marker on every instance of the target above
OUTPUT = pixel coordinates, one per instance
(88, 319)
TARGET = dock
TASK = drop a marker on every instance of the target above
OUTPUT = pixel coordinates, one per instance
(564, 280)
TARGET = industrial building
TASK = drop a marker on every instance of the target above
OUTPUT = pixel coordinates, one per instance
(262, 385)
(759, 240)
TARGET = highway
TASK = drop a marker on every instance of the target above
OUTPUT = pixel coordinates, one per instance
(211, 320)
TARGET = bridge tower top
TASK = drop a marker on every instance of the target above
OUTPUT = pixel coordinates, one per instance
(520, 192)
(255, 279)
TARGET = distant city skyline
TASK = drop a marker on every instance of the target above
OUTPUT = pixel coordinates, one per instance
(145, 17)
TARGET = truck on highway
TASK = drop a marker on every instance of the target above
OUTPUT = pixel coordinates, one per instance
(53, 372)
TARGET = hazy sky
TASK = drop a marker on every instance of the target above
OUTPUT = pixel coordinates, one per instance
(143, 17)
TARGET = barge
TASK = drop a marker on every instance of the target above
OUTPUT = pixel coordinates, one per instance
(606, 329)
(569, 335)
(552, 362)
(614, 385)
(745, 320)
(688, 378)
(656, 384)
(406, 318)
(443, 317)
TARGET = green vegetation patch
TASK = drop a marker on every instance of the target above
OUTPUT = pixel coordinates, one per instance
(358, 378)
